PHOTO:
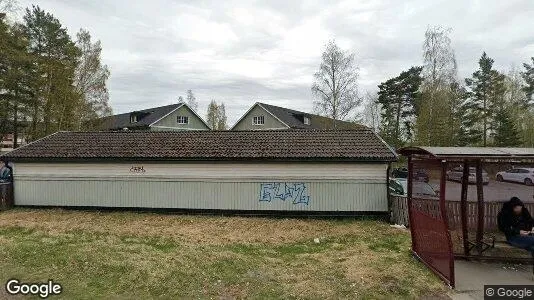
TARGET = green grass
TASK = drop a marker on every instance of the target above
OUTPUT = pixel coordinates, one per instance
(129, 255)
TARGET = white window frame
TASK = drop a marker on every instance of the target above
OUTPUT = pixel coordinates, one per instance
(182, 120)
(307, 121)
(258, 120)
(134, 118)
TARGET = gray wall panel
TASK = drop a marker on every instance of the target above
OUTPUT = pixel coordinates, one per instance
(277, 195)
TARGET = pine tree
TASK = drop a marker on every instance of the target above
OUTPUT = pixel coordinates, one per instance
(506, 133)
(397, 98)
(486, 97)
(55, 99)
(16, 74)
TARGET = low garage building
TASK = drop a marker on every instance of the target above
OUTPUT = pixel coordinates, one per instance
(310, 172)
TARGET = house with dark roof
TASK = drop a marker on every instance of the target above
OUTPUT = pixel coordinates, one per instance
(263, 116)
(300, 172)
(164, 118)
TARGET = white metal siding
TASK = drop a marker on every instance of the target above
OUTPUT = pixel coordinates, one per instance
(235, 186)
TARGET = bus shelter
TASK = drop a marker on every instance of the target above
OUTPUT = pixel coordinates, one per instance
(454, 195)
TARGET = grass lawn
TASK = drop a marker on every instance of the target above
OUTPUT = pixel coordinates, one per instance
(146, 255)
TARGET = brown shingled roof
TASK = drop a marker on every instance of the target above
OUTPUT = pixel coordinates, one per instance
(350, 145)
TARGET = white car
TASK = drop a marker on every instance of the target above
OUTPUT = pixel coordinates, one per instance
(521, 175)
(456, 174)
(399, 187)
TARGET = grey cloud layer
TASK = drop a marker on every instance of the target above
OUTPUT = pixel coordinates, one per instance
(245, 51)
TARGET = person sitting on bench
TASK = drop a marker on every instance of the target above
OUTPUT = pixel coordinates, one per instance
(516, 223)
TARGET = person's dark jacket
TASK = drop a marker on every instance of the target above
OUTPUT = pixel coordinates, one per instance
(509, 223)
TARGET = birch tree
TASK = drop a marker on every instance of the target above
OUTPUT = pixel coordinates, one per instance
(90, 81)
(433, 125)
(336, 84)
(192, 100)
(216, 116)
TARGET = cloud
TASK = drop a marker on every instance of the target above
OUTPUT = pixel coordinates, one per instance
(240, 52)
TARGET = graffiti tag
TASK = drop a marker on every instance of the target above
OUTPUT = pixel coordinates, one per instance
(296, 192)
(136, 169)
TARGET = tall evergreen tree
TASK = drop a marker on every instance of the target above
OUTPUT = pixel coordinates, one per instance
(505, 133)
(486, 97)
(16, 74)
(56, 60)
(397, 98)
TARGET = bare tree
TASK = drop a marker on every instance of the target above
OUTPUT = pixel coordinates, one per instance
(371, 111)
(8, 6)
(440, 67)
(434, 112)
(90, 80)
(192, 100)
(336, 83)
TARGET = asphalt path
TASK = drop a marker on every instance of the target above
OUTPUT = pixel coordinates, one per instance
(494, 191)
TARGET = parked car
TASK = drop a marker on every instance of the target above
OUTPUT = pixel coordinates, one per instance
(399, 173)
(456, 174)
(419, 174)
(521, 175)
(5, 174)
(399, 187)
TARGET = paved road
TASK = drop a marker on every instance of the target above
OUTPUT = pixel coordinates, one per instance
(472, 276)
(494, 191)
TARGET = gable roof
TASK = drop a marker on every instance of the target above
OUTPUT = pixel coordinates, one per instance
(294, 119)
(301, 145)
(148, 117)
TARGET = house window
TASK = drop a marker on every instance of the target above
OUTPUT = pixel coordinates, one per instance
(182, 120)
(133, 119)
(259, 120)
(307, 121)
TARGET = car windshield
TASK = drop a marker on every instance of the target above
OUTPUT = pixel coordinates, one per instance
(423, 188)
(419, 188)
(4, 173)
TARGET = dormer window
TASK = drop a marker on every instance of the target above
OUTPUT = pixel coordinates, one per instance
(134, 118)
(307, 121)
(258, 120)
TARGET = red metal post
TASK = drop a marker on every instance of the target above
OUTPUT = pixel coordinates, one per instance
(443, 208)
(409, 192)
(480, 204)
(463, 207)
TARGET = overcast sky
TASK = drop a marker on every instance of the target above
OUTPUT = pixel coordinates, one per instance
(245, 51)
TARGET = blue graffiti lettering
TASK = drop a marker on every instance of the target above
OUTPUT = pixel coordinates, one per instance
(296, 192)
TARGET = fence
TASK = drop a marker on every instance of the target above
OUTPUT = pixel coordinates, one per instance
(6, 195)
(399, 212)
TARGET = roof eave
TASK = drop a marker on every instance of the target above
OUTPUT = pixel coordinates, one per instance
(198, 159)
